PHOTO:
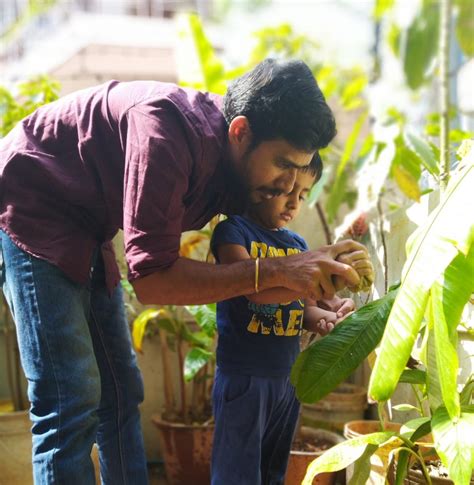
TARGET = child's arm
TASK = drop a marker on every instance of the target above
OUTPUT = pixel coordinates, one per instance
(231, 253)
(322, 316)
(318, 320)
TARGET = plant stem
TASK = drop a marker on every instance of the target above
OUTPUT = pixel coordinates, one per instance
(444, 51)
(167, 378)
(420, 404)
(384, 244)
(182, 383)
(324, 223)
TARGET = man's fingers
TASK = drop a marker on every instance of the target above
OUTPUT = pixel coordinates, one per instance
(346, 246)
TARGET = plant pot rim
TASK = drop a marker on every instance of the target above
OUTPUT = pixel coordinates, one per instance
(163, 423)
(325, 434)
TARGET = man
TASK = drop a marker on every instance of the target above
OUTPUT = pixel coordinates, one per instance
(155, 160)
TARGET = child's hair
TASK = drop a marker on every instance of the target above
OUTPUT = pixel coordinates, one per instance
(282, 100)
(315, 167)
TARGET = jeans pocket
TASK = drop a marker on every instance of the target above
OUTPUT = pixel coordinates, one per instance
(237, 386)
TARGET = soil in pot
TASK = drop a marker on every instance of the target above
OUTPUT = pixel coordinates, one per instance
(309, 443)
(438, 474)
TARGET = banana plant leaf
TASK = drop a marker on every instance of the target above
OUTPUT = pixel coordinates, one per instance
(162, 318)
(448, 231)
(205, 316)
(194, 361)
(454, 442)
(320, 368)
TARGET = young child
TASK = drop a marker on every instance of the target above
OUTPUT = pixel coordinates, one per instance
(255, 407)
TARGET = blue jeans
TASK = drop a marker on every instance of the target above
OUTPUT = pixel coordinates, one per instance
(255, 422)
(84, 385)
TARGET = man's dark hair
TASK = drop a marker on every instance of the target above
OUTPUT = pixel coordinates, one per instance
(282, 100)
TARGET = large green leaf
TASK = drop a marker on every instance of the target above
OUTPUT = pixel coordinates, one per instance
(454, 442)
(200, 68)
(205, 316)
(338, 188)
(194, 361)
(449, 296)
(362, 466)
(421, 44)
(467, 392)
(465, 26)
(423, 149)
(449, 229)
(320, 368)
(381, 7)
(342, 455)
(413, 376)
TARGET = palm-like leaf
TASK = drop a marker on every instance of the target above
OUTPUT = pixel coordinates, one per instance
(448, 231)
(325, 364)
(162, 318)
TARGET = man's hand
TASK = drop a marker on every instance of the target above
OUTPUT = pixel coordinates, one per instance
(310, 273)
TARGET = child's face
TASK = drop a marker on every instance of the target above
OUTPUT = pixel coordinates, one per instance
(279, 211)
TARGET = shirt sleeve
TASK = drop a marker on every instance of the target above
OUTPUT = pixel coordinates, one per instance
(228, 232)
(158, 165)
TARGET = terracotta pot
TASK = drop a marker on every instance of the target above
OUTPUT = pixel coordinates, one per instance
(379, 461)
(299, 460)
(186, 451)
(346, 403)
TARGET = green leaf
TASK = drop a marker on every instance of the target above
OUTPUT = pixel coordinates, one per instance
(449, 229)
(338, 189)
(413, 376)
(407, 183)
(320, 368)
(402, 467)
(416, 428)
(421, 44)
(449, 296)
(362, 466)
(465, 27)
(205, 316)
(467, 392)
(393, 39)
(342, 455)
(381, 7)
(454, 443)
(423, 149)
(405, 408)
(352, 91)
(194, 361)
(200, 67)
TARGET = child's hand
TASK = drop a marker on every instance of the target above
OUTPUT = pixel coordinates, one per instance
(341, 306)
(326, 323)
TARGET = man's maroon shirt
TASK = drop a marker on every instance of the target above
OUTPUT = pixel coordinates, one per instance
(144, 156)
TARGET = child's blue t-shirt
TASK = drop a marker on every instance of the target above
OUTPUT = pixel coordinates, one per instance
(258, 339)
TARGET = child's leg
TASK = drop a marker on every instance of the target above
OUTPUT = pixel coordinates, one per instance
(239, 417)
(279, 434)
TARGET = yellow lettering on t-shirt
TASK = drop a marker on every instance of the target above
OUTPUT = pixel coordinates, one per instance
(294, 323)
(278, 325)
(258, 250)
(256, 326)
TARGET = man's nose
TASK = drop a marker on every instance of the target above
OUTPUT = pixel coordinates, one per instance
(286, 182)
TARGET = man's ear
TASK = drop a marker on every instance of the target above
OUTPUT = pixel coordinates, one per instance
(240, 134)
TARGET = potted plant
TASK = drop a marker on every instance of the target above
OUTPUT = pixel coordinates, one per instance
(185, 424)
(436, 286)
